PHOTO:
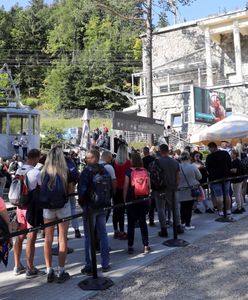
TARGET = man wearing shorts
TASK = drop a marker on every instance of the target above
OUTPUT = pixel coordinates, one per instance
(218, 164)
(34, 179)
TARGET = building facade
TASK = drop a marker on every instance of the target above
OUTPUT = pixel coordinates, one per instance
(211, 53)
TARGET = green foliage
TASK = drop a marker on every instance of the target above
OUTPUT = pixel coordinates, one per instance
(67, 53)
(52, 135)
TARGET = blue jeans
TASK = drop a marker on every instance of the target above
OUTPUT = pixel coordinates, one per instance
(74, 222)
(99, 221)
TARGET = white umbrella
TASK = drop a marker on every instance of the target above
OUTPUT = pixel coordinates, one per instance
(233, 129)
(85, 138)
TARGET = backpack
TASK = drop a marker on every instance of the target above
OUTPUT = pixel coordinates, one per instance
(52, 196)
(244, 165)
(140, 182)
(13, 167)
(19, 190)
(72, 170)
(157, 177)
(101, 188)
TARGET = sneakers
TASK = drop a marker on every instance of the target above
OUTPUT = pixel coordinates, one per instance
(51, 276)
(209, 211)
(197, 211)
(77, 234)
(243, 209)
(116, 234)
(147, 249)
(19, 270)
(180, 229)
(238, 211)
(221, 214)
(130, 250)
(106, 269)
(189, 227)
(32, 273)
(63, 277)
(152, 224)
(163, 232)
(86, 271)
(122, 236)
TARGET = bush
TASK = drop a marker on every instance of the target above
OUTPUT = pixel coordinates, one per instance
(52, 135)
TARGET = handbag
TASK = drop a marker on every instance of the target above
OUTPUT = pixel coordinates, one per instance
(194, 190)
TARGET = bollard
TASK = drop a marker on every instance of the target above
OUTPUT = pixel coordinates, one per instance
(95, 282)
(175, 242)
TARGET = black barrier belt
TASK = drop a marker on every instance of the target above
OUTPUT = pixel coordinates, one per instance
(139, 200)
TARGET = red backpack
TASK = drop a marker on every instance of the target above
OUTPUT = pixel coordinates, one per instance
(140, 182)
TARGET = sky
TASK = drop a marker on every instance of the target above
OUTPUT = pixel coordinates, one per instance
(198, 9)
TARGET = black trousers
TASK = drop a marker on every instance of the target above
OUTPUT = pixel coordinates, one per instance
(186, 211)
(137, 212)
(118, 213)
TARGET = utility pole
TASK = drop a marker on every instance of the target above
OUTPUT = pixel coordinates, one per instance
(148, 63)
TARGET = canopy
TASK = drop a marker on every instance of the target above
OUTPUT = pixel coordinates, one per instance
(232, 129)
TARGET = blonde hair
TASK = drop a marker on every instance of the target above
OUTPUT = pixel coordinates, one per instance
(122, 154)
(55, 164)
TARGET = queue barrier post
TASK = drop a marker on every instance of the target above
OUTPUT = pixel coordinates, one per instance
(95, 282)
(225, 218)
(175, 242)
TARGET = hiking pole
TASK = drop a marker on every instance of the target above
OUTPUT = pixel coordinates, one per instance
(175, 242)
(94, 282)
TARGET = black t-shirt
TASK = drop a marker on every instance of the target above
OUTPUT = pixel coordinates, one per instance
(218, 165)
(147, 160)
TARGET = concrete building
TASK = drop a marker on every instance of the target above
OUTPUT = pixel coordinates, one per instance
(210, 53)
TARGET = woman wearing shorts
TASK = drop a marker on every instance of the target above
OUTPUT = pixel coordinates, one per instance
(55, 164)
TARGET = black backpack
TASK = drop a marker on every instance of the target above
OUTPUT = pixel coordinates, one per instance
(157, 177)
(100, 192)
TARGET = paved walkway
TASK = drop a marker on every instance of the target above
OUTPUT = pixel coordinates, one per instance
(123, 265)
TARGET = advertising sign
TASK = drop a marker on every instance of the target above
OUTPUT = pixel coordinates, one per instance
(209, 106)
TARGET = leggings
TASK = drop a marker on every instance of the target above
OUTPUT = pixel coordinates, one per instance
(186, 211)
(118, 213)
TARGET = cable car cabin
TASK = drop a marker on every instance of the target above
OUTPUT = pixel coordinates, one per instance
(13, 122)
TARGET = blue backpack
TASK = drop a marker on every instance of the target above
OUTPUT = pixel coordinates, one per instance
(100, 192)
(52, 197)
(72, 170)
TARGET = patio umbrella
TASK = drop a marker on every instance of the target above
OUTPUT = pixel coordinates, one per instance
(232, 129)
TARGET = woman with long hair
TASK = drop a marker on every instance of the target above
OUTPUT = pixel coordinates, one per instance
(137, 211)
(55, 165)
(121, 165)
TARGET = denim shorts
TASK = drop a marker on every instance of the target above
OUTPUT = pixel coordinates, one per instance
(218, 191)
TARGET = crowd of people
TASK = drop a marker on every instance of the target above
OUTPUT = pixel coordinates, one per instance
(157, 174)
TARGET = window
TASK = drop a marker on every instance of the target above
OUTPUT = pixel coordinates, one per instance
(3, 124)
(35, 124)
(164, 89)
(174, 87)
(176, 120)
(18, 124)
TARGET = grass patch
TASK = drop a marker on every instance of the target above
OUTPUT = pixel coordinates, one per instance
(61, 123)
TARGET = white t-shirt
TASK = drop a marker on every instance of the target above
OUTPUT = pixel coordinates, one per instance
(109, 169)
(34, 176)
